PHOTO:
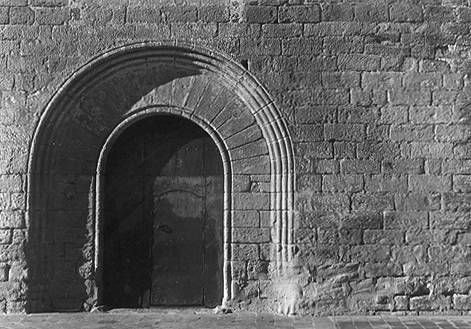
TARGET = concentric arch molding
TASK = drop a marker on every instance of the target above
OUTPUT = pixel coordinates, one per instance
(59, 139)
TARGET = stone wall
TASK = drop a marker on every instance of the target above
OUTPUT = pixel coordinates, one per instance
(376, 98)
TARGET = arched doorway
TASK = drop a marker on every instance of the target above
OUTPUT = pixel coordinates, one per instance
(163, 216)
(66, 168)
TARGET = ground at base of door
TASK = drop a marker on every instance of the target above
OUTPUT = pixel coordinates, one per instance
(205, 319)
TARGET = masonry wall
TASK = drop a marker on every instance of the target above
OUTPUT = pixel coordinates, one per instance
(377, 98)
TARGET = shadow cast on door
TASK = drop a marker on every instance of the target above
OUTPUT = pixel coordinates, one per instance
(163, 207)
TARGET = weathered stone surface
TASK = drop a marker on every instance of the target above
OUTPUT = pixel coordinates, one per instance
(300, 14)
(375, 95)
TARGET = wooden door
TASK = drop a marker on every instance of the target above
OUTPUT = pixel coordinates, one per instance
(170, 237)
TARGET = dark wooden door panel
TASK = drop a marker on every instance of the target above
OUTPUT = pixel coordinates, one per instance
(177, 274)
(164, 214)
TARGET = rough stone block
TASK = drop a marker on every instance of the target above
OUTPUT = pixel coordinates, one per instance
(301, 46)
(244, 252)
(405, 166)
(329, 202)
(49, 3)
(315, 114)
(433, 166)
(337, 28)
(380, 80)
(11, 252)
(311, 183)
(383, 183)
(429, 183)
(19, 236)
(410, 97)
(394, 114)
(249, 150)
(4, 16)
(401, 303)
(357, 114)
(227, 30)
(361, 219)
(321, 166)
(450, 220)
(5, 236)
(248, 201)
(417, 201)
(412, 132)
(330, 97)
(348, 236)
(259, 165)
(316, 149)
(250, 235)
(439, 14)
(383, 237)
(194, 30)
(260, 14)
(453, 81)
(431, 150)
(367, 97)
(458, 166)
(378, 150)
(444, 97)
(462, 183)
(461, 269)
(261, 46)
(370, 253)
(333, 80)
(143, 15)
(299, 14)
(382, 269)
(52, 16)
(453, 133)
(424, 236)
(344, 132)
(306, 236)
(462, 285)
(11, 183)
(394, 220)
(461, 302)
(245, 218)
(406, 11)
(431, 114)
(342, 45)
(360, 166)
(359, 62)
(342, 183)
(372, 202)
(457, 201)
(180, 13)
(13, 2)
(371, 12)
(327, 237)
(345, 150)
(305, 133)
(257, 270)
(282, 30)
(418, 81)
(213, 13)
(337, 12)
(317, 63)
(420, 303)
(21, 15)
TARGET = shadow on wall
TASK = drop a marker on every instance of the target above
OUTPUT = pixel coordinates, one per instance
(60, 249)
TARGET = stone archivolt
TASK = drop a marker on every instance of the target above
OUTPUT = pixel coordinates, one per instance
(103, 98)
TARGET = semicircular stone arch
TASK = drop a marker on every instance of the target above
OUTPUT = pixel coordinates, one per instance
(85, 115)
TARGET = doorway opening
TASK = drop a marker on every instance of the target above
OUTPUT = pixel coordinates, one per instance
(163, 210)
